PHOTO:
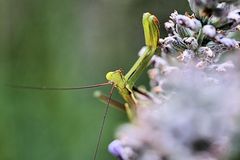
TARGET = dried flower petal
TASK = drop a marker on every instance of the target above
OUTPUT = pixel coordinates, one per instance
(191, 43)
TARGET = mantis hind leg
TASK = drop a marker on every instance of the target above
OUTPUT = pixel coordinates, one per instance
(118, 105)
(114, 103)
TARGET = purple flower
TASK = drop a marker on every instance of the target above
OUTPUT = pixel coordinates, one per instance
(116, 148)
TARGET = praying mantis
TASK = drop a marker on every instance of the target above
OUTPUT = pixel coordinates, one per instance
(124, 83)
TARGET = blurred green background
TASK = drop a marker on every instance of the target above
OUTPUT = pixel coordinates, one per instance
(66, 43)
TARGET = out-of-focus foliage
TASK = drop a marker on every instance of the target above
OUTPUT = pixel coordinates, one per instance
(65, 43)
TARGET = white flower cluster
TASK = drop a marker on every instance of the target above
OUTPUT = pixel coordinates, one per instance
(192, 117)
(201, 38)
(192, 110)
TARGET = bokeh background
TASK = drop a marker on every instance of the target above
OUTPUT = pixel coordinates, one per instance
(66, 43)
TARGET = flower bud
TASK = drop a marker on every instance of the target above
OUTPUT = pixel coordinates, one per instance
(209, 30)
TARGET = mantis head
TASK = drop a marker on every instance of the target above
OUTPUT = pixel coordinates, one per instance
(117, 78)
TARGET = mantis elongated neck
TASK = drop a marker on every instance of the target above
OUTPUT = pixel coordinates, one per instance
(139, 66)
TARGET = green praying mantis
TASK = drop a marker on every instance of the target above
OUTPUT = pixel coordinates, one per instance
(124, 83)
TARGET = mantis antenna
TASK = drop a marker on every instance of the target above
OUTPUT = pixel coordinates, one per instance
(59, 88)
(103, 122)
